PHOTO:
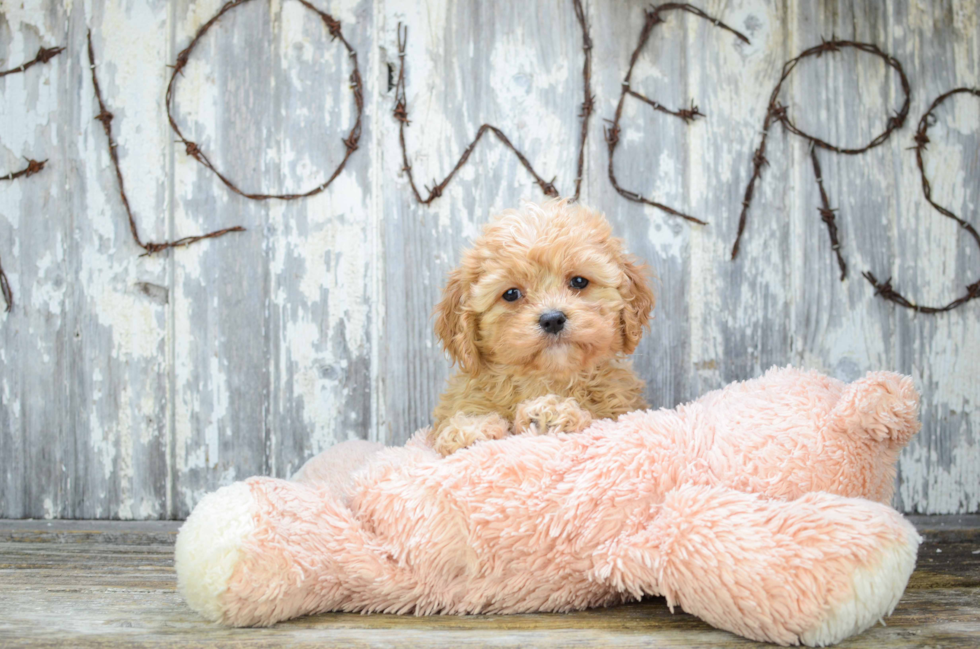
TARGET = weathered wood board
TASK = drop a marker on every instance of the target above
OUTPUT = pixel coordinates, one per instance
(130, 386)
(112, 584)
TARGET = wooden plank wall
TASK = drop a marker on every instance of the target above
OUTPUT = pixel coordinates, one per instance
(131, 385)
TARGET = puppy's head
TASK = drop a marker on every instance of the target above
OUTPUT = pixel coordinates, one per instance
(546, 288)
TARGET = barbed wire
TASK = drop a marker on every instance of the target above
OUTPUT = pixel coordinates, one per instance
(105, 117)
(921, 139)
(401, 114)
(777, 112)
(33, 166)
(827, 213)
(8, 294)
(44, 54)
(688, 115)
(194, 150)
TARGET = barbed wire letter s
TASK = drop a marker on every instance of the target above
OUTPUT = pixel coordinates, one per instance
(921, 139)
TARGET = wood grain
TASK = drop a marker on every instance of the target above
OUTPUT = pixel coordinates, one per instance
(130, 386)
(111, 584)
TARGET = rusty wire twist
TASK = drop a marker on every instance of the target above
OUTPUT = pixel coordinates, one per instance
(44, 54)
(921, 139)
(350, 142)
(401, 114)
(105, 117)
(777, 112)
(33, 167)
(827, 213)
(687, 115)
(8, 294)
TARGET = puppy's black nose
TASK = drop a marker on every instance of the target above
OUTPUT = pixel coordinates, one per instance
(552, 321)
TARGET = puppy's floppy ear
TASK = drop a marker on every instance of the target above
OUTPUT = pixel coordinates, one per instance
(455, 326)
(639, 302)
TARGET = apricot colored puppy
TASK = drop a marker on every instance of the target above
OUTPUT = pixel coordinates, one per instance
(539, 317)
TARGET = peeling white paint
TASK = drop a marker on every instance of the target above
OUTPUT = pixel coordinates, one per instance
(253, 353)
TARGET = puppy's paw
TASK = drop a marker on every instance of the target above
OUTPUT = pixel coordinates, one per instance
(463, 430)
(551, 414)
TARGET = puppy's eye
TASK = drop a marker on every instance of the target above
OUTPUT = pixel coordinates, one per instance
(578, 282)
(512, 294)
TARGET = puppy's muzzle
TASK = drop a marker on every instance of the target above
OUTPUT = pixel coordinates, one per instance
(552, 321)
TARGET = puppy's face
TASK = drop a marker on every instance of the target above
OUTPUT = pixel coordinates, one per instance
(548, 289)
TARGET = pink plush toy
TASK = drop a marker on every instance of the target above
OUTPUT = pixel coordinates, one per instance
(760, 508)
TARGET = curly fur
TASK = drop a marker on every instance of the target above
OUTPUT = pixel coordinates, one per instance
(506, 359)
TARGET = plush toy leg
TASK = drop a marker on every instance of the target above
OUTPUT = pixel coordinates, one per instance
(264, 550)
(814, 570)
(862, 436)
(883, 406)
(333, 467)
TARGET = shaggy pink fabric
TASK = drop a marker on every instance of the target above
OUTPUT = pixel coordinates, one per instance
(333, 470)
(745, 508)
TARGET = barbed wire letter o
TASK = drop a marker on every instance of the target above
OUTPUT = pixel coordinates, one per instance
(350, 142)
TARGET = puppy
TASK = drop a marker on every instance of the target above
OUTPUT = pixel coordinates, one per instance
(539, 318)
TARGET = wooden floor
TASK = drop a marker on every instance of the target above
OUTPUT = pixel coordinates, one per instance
(105, 584)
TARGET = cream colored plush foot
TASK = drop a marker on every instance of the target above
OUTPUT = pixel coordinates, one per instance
(209, 547)
(875, 591)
